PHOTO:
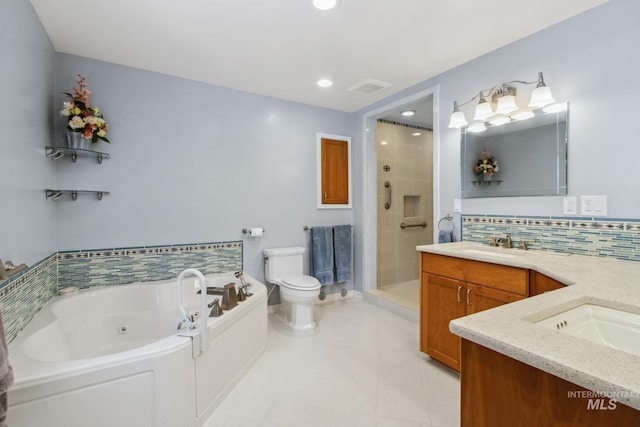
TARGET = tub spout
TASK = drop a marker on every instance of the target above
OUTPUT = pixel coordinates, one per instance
(189, 320)
(229, 297)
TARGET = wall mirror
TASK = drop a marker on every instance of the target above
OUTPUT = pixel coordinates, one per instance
(526, 157)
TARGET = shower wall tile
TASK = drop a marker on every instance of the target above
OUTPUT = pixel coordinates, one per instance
(21, 297)
(619, 238)
(410, 160)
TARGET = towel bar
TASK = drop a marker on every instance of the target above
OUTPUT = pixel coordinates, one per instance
(307, 228)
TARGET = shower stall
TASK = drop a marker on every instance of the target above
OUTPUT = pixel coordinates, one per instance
(404, 207)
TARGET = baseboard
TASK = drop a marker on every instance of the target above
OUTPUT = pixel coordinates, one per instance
(329, 299)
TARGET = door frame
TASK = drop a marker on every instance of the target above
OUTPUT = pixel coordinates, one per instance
(369, 211)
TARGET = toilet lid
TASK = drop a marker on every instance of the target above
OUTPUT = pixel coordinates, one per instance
(301, 282)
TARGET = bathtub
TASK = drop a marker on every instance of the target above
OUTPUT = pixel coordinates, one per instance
(113, 356)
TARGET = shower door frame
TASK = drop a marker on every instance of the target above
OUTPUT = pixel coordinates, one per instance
(369, 211)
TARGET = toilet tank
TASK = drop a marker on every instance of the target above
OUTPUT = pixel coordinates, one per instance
(282, 262)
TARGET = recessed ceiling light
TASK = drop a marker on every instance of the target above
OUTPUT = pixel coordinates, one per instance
(416, 133)
(383, 142)
(325, 4)
(408, 113)
(324, 83)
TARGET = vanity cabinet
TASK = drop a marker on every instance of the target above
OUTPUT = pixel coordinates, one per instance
(454, 287)
(497, 390)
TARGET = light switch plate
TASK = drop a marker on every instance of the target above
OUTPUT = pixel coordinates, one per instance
(570, 206)
(457, 205)
(593, 205)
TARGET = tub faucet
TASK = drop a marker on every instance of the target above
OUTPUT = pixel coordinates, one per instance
(216, 310)
(228, 292)
(243, 292)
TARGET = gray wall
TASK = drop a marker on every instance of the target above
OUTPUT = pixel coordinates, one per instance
(27, 61)
(192, 162)
(591, 61)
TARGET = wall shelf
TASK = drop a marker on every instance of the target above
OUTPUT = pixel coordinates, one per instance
(59, 194)
(481, 182)
(56, 153)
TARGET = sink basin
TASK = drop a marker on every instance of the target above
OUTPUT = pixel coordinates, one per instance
(487, 253)
(603, 325)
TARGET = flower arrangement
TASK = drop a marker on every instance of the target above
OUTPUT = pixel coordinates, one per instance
(81, 116)
(487, 165)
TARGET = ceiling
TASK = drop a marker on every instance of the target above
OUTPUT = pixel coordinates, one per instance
(280, 48)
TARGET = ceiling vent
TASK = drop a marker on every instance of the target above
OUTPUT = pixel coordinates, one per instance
(369, 87)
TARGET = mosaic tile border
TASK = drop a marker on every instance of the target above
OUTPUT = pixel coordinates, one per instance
(615, 238)
(118, 266)
(142, 250)
(628, 225)
(23, 296)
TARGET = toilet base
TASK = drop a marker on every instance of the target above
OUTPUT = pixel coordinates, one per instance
(298, 318)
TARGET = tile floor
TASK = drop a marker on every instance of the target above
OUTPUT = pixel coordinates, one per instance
(406, 294)
(361, 368)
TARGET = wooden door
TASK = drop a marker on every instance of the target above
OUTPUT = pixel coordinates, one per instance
(442, 300)
(335, 171)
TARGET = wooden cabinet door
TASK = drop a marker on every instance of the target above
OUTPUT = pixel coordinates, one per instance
(439, 305)
(539, 283)
(335, 171)
(478, 298)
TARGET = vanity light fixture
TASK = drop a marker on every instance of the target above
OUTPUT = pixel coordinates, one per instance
(505, 100)
(457, 119)
(500, 121)
(408, 113)
(477, 127)
(524, 115)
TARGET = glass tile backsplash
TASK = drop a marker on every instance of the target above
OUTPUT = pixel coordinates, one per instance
(614, 238)
(23, 296)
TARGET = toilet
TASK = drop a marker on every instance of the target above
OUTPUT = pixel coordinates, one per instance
(284, 267)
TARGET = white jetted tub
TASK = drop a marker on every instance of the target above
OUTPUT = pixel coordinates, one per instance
(113, 356)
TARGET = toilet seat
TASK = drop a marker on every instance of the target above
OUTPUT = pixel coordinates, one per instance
(301, 283)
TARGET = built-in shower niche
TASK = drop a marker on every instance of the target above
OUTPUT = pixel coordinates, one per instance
(412, 207)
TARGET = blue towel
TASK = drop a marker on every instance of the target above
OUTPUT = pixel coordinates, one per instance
(322, 254)
(445, 236)
(342, 252)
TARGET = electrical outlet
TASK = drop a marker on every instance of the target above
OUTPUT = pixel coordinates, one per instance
(570, 206)
(587, 205)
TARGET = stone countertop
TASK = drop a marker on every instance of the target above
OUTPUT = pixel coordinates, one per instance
(509, 329)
